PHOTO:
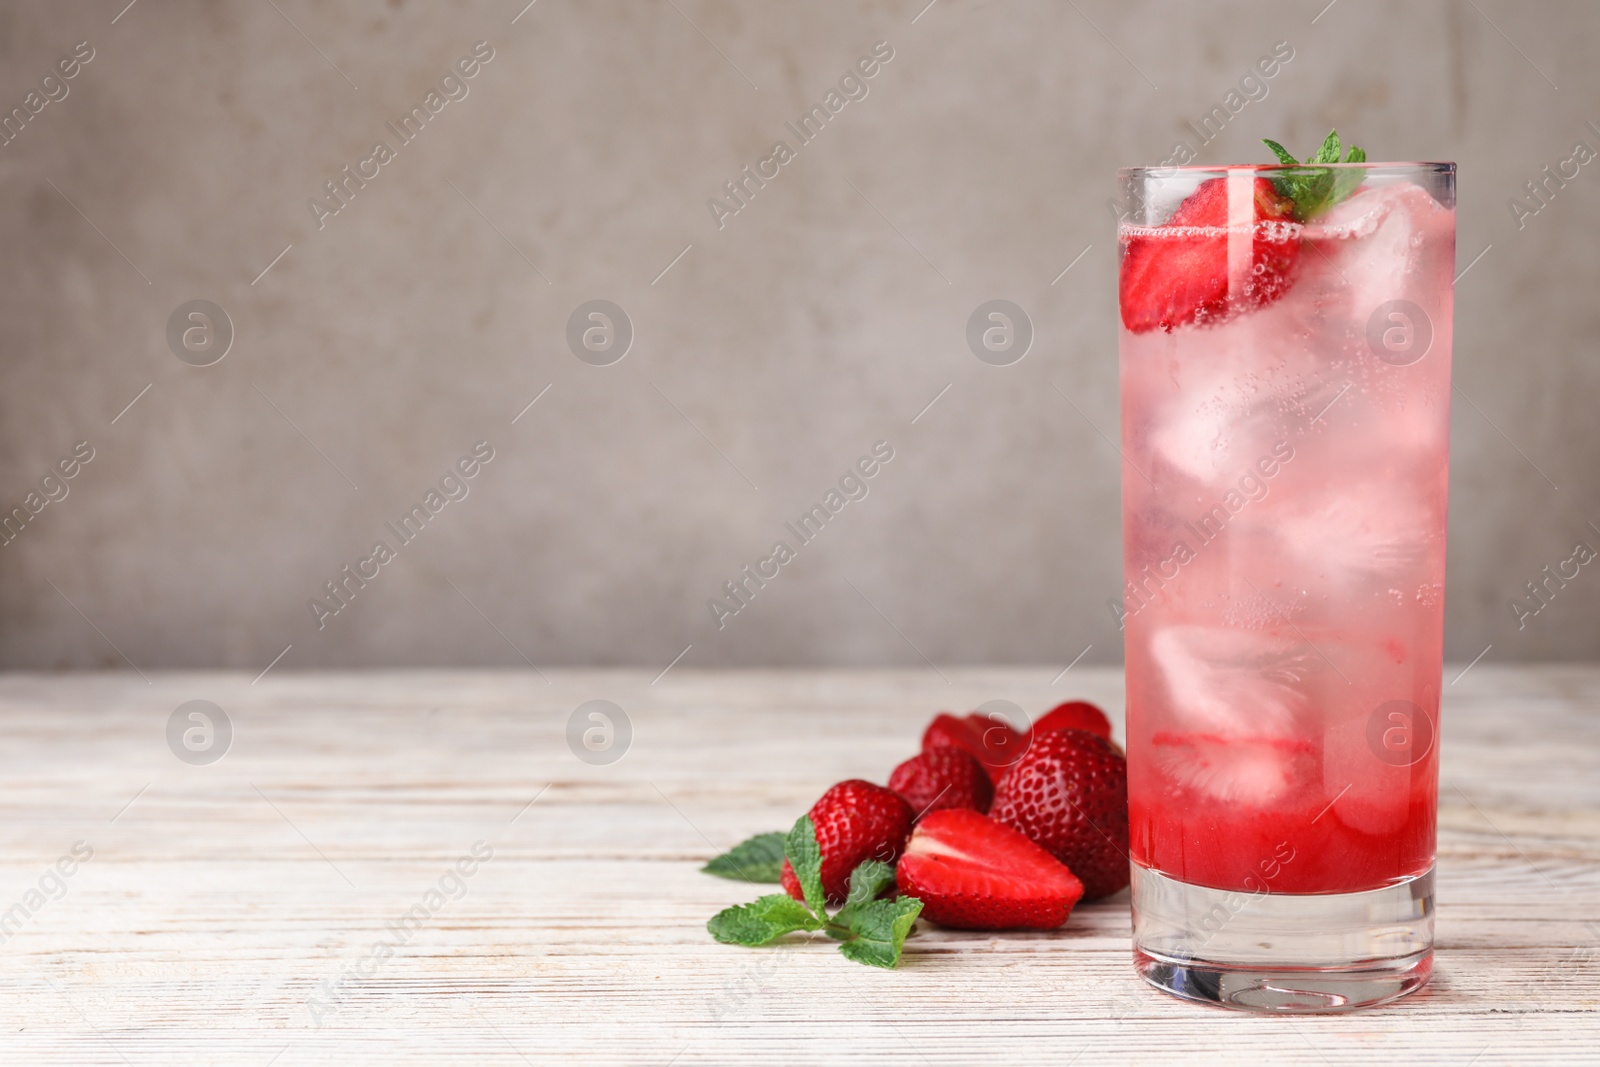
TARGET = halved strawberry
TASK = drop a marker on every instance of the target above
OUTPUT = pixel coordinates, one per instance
(972, 873)
(1178, 273)
(1074, 715)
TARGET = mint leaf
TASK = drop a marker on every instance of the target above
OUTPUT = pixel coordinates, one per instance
(873, 931)
(880, 928)
(867, 882)
(762, 921)
(1346, 181)
(770, 917)
(1290, 184)
(805, 856)
(759, 859)
(1281, 152)
(1330, 150)
(1313, 189)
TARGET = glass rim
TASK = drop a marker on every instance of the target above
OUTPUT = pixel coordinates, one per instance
(1224, 168)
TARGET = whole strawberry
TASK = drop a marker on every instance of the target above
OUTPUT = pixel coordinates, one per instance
(950, 731)
(855, 821)
(1003, 744)
(1075, 715)
(990, 739)
(942, 777)
(1069, 794)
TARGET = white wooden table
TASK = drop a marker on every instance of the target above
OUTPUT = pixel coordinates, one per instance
(230, 908)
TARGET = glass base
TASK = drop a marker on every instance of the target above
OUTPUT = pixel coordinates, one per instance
(1283, 952)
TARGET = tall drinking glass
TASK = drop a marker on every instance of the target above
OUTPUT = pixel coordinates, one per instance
(1285, 425)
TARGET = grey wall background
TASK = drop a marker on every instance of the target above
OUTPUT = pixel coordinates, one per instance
(823, 317)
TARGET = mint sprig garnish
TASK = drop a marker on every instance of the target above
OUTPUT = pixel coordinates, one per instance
(872, 931)
(762, 921)
(867, 883)
(1314, 189)
(880, 930)
(759, 859)
(805, 856)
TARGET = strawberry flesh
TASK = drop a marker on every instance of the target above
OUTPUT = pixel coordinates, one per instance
(972, 873)
(1176, 274)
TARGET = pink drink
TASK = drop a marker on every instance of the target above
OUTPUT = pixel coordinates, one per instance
(1284, 502)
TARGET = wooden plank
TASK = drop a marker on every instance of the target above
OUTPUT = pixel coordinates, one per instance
(231, 908)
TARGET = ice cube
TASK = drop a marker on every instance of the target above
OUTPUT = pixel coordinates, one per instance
(1374, 240)
(1191, 433)
(1238, 390)
(1232, 683)
(1238, 710)
(1230, 413)
(1382, 526)
(1244, 772)
(1365, 792)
